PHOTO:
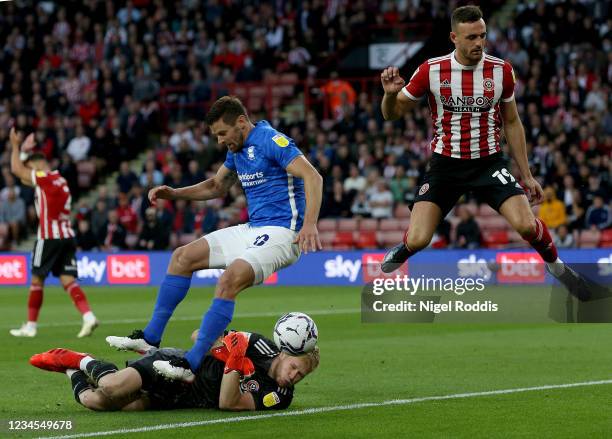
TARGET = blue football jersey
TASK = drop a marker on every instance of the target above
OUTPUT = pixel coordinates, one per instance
(274, 197)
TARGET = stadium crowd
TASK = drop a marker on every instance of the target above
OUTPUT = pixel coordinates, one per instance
(87, 81)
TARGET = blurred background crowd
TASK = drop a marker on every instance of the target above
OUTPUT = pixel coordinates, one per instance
(115, 92)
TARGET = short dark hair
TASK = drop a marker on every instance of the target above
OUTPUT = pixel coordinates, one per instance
(35, 157)
(465, 14)
(228, 108)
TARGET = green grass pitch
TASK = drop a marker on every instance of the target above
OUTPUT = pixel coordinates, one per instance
(360, 363)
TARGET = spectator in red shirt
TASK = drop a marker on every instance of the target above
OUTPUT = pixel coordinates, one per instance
(127, 216)
(90, 108)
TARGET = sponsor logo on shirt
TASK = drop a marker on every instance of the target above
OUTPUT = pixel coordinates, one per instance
(467, 104)
(253, 179)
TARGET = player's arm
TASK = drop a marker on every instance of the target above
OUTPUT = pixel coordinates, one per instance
(211, 188)
(230, 397)
(515, 136)
(395, 102)
(308, 236)
(20, 170)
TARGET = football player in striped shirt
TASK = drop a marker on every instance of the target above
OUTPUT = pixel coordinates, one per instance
(55, 248)
(471, 99)
(245, 372)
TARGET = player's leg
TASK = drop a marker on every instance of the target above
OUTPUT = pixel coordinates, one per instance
(210, 251)
(35, 300)
(237, 277)
(518, 213)
(443, 185)
(268, 250)
(65, 268)
(72, 287)
(42, 261)
(424, 220)
(114, 391)
(184, 261)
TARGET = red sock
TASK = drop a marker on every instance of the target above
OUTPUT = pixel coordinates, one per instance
(541, 241)
(78, 297)
(34, 302)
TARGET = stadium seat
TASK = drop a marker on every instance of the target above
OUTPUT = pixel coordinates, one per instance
(389, 239)
(606, 238)
(368, 224)
(589, 238)
(390, 224)
(327, 225)
(186, 238)
(343, 239)
(486, 210)
(488, 223)
(495, 239)
(402, 211)
(365, 239)
(347, 224)
(516, 240)
(327, 239)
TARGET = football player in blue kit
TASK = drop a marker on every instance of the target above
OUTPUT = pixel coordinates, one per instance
(283, 192)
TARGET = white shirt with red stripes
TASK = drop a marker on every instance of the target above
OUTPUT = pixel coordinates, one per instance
(464, 103)
(52, 203)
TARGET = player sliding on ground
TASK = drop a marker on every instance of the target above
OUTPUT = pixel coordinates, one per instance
(55, 248)
(283, 193)
(470, 95)
(247, 372)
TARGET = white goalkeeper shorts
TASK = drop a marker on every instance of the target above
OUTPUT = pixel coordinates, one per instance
(267, 249)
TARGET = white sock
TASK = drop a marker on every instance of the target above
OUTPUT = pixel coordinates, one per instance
(31, 325)
(69, 372)
(84, 362)
(556, 268)
(89, 317)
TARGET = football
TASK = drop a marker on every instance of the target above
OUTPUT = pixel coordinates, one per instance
(295, 333)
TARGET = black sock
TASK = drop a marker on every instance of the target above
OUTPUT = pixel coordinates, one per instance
(79, 384)
(96, 369)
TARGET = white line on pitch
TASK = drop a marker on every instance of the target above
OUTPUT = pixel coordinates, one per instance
(315, 312)
(335, 408)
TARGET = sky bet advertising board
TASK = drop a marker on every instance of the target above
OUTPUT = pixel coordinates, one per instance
(323, 268)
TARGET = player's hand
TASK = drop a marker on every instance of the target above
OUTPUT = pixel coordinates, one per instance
(308, 238)
(15, 138)
(391, 80)
(237, 344)
(28, 144)
(535, 194)
(161, 193)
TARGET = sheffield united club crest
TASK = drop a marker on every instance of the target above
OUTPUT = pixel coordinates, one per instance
(488, 84)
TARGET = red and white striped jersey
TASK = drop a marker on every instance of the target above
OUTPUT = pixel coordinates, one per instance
(52, 205)
(464, 103)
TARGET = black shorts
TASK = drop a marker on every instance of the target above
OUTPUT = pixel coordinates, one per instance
(167, 394)
(447, 179)
(57, 256)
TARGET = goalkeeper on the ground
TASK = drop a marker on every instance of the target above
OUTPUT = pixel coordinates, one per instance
(244, 372)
